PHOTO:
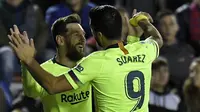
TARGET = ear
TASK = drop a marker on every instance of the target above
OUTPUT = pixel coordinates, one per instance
(60, 40)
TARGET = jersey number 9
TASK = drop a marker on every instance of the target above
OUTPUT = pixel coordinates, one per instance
(135, 92)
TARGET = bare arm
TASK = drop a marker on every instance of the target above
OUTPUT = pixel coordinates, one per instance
(25, 51)
(150, 30)
(51, 83)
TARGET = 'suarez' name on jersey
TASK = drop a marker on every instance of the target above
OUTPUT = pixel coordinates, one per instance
(131, 59)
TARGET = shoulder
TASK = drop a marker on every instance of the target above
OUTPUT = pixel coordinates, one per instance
(47, 63)
(95, 57)
(96, 54)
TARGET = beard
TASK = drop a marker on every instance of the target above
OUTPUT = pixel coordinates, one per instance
(74, 55)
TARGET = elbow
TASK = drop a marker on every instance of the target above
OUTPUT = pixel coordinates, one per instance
(51, 88)
(51, 92)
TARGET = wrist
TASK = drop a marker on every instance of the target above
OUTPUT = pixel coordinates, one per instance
(28, 61)
(135, 20)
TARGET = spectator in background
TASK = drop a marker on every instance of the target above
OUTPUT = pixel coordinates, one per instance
(179, 55)
(125, 22)
(192, 87)
(172, 4)
(67, 7)
(3, 101)
(5, 97)
(28, 17)
(188, 18)
(162, 97)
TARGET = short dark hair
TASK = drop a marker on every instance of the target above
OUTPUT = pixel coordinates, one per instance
(59, 26)
(107, 20)
(159, 62)
(162, 14)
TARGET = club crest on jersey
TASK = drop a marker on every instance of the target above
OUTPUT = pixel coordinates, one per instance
(79, 68)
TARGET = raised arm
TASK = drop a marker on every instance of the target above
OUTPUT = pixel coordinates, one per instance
(49, 82)
(25, 50)
(150, 30)
(144, 20)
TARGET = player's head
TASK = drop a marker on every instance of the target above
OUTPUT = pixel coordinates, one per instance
(69, 36)
(167, 24)
(125, 21)
(160, 72)
(106, 24)
(195, 72)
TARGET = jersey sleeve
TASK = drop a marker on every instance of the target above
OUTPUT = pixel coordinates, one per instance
(132, 39)
(86, 71)
(30, 86)
(152, 48)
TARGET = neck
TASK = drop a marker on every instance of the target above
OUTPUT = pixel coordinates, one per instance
(110, 42)
(62, 59)
(170, 41)
(158, 88)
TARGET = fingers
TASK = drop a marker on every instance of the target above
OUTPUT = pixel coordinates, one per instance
(10, 38)
(18, 38)
(14, 39)
(32, 43)
(149, 17)
(143, 13)
(13, 46)
(11, 31)
(134, 12)
(16, 29)
(26, 39)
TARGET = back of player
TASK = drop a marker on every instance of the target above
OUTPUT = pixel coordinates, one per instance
(124, 81)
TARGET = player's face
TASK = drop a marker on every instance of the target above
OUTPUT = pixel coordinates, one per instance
(161, 76)
(168, 27)
(75, 41)
(195, 73)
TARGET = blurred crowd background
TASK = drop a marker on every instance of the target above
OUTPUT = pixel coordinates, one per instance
(173, 87)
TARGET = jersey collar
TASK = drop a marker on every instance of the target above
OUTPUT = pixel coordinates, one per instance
(54, 61)
(115, 45)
